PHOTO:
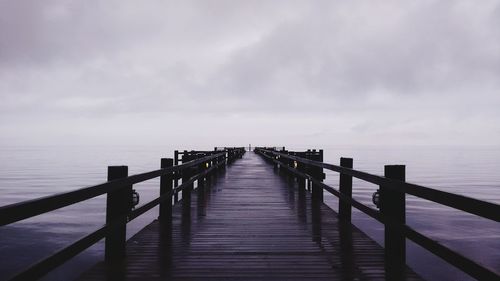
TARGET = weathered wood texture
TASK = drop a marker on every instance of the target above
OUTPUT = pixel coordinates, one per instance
(251, 224)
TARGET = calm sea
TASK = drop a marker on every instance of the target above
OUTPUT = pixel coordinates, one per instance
(32, 172)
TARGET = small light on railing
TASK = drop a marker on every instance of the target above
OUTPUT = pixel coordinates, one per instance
(295, 164)
(206, 165)
(376, 198)
(135, 198)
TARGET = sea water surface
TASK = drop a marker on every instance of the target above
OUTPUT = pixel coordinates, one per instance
(36, 171)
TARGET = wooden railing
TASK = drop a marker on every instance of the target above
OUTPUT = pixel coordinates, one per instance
(196, 166)
(308, 167)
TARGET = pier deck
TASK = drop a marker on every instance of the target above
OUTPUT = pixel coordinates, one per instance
(249, 223)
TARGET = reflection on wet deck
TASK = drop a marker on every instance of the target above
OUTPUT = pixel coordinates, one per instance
(249, 223)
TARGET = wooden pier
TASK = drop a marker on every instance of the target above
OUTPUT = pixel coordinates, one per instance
(251, 224)
(251, 216)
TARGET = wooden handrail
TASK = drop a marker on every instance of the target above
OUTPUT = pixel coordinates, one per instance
(30, 208)
(477, 207)
(19, 211)
(474, 206)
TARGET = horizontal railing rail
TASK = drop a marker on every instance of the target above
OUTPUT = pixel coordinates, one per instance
(470, 205)
(302, 168)
(26, 209)
(193, 170)
(187, 155)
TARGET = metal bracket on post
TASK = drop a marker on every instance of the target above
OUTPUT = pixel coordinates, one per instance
(135, 199)
(376, 198)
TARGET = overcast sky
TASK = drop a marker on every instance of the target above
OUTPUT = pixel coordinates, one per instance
(239, 72)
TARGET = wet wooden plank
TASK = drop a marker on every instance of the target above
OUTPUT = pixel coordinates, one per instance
(250, 224)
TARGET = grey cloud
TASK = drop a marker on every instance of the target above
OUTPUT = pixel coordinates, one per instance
(428, 49)
(431, 68)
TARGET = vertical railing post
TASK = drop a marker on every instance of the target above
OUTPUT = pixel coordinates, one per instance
(186, 191)
(297, 178)
(317, 173)
(345, 187)
(301, 181)
(317, 198)
(209, 175)
(118, 204)
(288, 162)
(201, 168)
(291, 175)
(176, 178)
(392, 207)
(308, 170)
(165, 216)
(284, 161)
(201, 190)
